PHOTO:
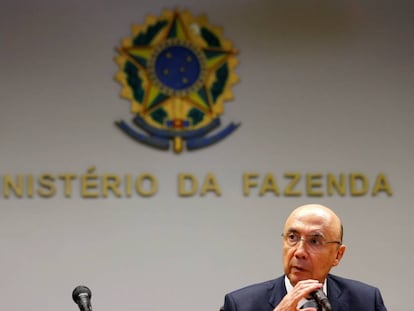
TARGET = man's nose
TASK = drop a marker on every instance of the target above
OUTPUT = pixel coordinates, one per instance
(301, 250)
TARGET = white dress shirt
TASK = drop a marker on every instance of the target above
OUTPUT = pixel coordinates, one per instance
(301, 302)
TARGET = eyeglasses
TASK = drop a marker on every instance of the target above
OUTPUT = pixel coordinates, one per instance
(315, 242)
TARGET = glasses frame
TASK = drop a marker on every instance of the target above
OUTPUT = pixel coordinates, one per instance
(307, 239)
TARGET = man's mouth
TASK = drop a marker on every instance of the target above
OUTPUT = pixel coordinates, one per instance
(298, 268)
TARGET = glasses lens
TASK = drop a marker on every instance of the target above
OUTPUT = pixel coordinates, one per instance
(314, 242)
(292, 238)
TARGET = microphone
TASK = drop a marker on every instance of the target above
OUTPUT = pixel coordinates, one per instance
(321, 300)
(82, 297)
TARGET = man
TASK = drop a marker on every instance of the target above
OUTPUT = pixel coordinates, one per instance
(312, 245)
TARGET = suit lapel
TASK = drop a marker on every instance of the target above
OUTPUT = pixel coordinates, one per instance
(276, 291)
(335, 296)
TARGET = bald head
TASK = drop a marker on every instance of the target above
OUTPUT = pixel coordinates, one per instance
(320, 214)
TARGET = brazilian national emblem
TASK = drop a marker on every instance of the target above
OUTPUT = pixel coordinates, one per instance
(177, 71)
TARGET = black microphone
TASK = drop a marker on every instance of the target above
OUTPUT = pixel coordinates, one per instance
(321, 300)
(82, 297)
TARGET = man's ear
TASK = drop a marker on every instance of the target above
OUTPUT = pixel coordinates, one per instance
(339, 254)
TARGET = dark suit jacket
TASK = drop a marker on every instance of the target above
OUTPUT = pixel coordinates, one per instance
(343, 294)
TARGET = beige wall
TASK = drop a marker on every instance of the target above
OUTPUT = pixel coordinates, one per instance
(325, 87)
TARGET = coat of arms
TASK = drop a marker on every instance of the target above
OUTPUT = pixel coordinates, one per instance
(177, 71)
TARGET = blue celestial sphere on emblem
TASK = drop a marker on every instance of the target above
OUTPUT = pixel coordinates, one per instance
(177, 67)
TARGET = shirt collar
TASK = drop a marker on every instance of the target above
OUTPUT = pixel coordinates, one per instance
(289, 288)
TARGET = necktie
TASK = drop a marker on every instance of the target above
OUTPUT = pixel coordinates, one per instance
(310, 304)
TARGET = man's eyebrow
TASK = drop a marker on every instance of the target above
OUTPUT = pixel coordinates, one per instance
(292, 230)
(313, 234)
(317, 234)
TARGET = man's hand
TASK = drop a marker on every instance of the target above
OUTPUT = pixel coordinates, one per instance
(301, 290)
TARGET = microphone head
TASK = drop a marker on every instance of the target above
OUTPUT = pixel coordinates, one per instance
(322, 300)
(81, 291)
(319, 295)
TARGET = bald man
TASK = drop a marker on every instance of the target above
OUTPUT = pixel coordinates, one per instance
(312, 245)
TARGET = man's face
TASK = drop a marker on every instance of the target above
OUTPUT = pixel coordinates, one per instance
(304, 261)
